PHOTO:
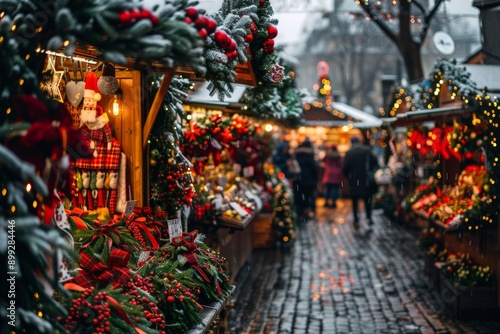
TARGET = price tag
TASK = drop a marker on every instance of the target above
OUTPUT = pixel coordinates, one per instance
(216, 144)
(218, 201)
(174, 228)
(129, 207)
(222, 181)
(242, 212)
(237, 168)
(248, 171)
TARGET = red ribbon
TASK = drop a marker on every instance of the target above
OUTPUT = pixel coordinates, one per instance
(141, 224)
(187, 239)
(95, 272)
(76, 215)
(105, 230)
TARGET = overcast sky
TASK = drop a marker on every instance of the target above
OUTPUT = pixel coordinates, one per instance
(295, 16)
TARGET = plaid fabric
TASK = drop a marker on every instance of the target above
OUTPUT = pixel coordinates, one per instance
(95, 272)
(105, 160)
(100, 135)
(112, 194)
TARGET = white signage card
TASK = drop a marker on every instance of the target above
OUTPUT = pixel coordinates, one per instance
(242, 212)
(237, 168)
(248, 171)
(218, 201)
(129, 207)
(174, 228)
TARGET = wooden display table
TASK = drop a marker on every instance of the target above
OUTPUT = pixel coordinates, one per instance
(483, 247)
(212, 318)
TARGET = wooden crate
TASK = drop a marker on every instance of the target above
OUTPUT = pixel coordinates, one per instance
(263, 232)
(458, 298)
(431, 271)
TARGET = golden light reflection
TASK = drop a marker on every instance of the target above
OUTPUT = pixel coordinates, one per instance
(342, 252)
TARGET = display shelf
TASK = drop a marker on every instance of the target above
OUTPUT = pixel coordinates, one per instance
(237, 224)
(459, 298)
(210, 315)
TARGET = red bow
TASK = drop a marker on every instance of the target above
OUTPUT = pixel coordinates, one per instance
(95, 272)
(187, 241)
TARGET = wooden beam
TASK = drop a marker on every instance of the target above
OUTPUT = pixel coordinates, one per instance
(155, 108)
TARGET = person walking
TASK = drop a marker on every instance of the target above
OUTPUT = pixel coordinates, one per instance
(358, 166)
(284, 160)
(306, 181)
(332, 176)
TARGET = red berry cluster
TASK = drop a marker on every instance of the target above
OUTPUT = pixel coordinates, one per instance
(204, 24)
(226, 43)
(137, 234)
(175, 291)
(95, 313)
(151, 310)
(129, 17)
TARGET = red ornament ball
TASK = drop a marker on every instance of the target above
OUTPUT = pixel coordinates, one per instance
(272, 32)
(203, 33)
(232, 55)
(249, 38)
(210, 25)
(222, 39)
(135, 14)
(200, 22)
(232, 46)
(125, 18)
(171, 299)
(192, 13)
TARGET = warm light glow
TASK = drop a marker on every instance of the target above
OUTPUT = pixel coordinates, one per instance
(115, 106)
(268, 127)
(28, 187)
(345, 128)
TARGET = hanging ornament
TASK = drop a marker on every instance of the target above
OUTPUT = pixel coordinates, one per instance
(107, 83)
(277, 73)
(272, 32)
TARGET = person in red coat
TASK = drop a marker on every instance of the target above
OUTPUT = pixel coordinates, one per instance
(359, 164)
(332, 176)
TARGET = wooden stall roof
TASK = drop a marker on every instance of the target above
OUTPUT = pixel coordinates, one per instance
(340, 114)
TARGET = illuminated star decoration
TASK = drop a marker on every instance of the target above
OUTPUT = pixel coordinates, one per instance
(51, 81)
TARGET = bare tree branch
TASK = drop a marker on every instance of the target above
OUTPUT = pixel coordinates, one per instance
(420, 6)
(427, 20)
(373, 15)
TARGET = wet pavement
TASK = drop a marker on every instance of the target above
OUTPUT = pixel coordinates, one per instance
(338, 280)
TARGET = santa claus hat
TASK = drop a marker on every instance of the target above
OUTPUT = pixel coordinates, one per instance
(91, 90)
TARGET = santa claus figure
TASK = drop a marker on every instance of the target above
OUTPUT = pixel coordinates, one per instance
(94, 125)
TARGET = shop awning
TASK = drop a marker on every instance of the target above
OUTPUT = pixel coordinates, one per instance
(420, 116)
(338, 114)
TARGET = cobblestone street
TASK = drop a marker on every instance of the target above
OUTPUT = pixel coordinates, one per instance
(338, 280)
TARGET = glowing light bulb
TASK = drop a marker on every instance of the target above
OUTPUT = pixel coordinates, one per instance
(115, 106)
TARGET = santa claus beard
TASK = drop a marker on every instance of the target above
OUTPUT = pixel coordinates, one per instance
(88, 116)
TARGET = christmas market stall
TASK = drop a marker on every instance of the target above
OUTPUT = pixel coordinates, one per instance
(87, 88)
(452, 125)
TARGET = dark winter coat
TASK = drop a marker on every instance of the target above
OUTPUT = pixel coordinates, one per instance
(281, 157)
(332, 163)
(354, 169)
(309, 172)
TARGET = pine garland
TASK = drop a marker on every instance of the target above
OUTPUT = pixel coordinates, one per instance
(28, 252)
(104, 311)
(171, 177)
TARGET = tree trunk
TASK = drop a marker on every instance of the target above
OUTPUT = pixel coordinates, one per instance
(413, 61)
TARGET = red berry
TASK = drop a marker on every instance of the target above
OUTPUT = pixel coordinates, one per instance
(125, 18)
(210, 25)
(192, 13)
(232, 55)
(272, 32)
(232, 46)
(188, 20)
(145, 14)
(154, 19)
(249, 38)
(253, 27)
(170, 299)
(221, 38)
(200, 22)
(203, 33)
(135, 14)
